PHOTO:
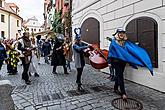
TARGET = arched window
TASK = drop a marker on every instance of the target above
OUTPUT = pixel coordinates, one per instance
(143, 31)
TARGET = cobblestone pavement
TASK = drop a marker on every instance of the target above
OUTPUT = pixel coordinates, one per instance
(59, 91)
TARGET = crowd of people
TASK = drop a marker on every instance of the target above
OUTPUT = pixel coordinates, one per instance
(59, 51)
(28, 50)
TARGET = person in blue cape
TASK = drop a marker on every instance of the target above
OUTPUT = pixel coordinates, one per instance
(78, 52)
(122, 51)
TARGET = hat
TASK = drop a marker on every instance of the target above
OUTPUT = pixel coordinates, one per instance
(119, 30)
(77, 31)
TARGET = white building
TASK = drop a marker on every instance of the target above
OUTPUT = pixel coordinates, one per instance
(144, 21)
(10, 21)
(33, 25)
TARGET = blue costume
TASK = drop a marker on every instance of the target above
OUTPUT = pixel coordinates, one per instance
(130, 53)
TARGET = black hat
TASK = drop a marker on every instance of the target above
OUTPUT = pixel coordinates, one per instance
(119, 30)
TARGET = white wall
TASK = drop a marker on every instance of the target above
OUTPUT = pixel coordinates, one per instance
(13, 26)
(113, 14)
(4, 25)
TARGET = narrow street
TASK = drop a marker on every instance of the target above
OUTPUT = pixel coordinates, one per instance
(59, 91)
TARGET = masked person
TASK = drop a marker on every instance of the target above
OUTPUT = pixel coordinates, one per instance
(58, 58)
(122, 51)
(78, 48)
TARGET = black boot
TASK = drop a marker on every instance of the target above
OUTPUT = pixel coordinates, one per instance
(36, 75)
(80, 88)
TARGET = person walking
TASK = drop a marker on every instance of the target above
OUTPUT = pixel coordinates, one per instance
(119, 65)
(122, 51)
(58, 58)
(33, 65)
(78, 48)
(26, 48)
(3, 55)
(46, 47)
(68, 52)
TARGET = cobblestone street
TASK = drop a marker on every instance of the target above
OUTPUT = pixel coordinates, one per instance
(59, 91)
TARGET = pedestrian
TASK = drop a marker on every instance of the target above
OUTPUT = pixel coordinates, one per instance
(2, 54)
(58, 58)
(26, 48)
(122, 51)
(68, 52)
(119, 65)
(39, 48)
(33, 65)
(78, 52)
(12, 60)
(46, 47)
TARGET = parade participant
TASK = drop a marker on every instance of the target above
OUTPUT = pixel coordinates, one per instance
(39, 48)
(33, 65)
(78, 48)
(58, 58)
(121, 51)
(26, 48)
(2, 54)
(68, 52)
(12, 60)
(46, 47)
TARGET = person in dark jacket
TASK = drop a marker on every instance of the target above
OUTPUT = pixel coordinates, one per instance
(58, 58)
(78, 48)
(46, 47)
(119, 65)
(3, 55)
(26, 48)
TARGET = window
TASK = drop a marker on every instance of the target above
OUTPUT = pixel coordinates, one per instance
(27, 29)
(39, 30)
(17, 23)
(143, 31)
(2, 18)
(34, 30)
(3, 34)
(0, 3)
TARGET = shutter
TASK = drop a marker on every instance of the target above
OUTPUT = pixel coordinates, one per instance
(147, 38)
(144, 30)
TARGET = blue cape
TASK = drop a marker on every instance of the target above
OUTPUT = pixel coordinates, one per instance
(130, 53)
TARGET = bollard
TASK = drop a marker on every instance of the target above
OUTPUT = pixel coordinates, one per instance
(6, 101)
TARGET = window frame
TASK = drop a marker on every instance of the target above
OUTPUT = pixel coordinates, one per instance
(2, 18)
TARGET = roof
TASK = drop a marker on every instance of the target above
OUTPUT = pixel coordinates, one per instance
(7, 8)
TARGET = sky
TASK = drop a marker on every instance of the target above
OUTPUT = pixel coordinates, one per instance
(30, 8)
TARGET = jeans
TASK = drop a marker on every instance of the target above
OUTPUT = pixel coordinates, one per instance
(79, 73)
(119, 80)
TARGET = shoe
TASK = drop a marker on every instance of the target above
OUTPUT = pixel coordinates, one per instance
(28, 82)
(54, 72)
(80, 88)
(117, 92)
(30, 74)
(36, 75)
(66, 73)
(124, 97)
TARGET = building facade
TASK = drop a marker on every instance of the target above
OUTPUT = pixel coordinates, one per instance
(32, 25)
(10, 21)
(144, 21)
